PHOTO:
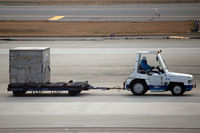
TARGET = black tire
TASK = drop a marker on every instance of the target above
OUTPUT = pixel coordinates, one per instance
(139, 87)
(177, 90)
(74, 93)
(19, 93)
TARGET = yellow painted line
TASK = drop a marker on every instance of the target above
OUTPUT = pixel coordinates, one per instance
(56, 17)
(178, 37)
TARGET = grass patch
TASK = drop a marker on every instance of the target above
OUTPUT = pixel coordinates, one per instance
(47, 28)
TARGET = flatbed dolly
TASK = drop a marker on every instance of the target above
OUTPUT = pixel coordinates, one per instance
(73, 88)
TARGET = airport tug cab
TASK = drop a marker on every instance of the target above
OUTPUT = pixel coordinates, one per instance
(159, 79)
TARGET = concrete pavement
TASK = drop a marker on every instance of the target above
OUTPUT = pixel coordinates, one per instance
(138, 12)
(103, 63)
(100, 61)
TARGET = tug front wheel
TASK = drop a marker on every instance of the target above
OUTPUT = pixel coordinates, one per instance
(139, 87)
(74, 93)
(177, 90)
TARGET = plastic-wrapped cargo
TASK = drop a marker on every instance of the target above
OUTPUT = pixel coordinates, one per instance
(29, 65)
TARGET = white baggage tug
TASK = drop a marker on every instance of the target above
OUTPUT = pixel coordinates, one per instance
(157, 80)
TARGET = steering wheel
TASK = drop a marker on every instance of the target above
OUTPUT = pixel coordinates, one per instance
(158, 67)
(154, 69)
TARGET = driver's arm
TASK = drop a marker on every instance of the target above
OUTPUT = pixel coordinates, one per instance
(150, 67)
(145, 66)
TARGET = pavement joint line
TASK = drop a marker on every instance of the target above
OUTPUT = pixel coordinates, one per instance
(56, 18)
(73, 16)
(133, 16)
(107, 9)
(95, 128)
(91, 38)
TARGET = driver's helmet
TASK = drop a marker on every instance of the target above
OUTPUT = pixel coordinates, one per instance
(144, 58)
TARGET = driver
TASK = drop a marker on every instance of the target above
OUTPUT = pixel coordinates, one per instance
(144, 65)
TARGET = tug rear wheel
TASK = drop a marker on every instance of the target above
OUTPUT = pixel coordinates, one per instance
(74, 93)
(139, 87)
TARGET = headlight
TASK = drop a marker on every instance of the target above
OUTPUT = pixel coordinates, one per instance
(189, 81)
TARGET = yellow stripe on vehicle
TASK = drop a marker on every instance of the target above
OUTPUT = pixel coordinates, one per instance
(56, 17)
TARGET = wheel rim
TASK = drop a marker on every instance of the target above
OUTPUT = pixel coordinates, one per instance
(138, 88)
(177, 89)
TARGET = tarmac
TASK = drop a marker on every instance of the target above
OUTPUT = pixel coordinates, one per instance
(135, 12)
(103, 63)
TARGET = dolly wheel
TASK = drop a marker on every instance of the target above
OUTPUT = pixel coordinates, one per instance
(74, 93)
(18, 93)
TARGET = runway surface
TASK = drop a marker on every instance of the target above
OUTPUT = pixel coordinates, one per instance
(103, 63)
(137, 12)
